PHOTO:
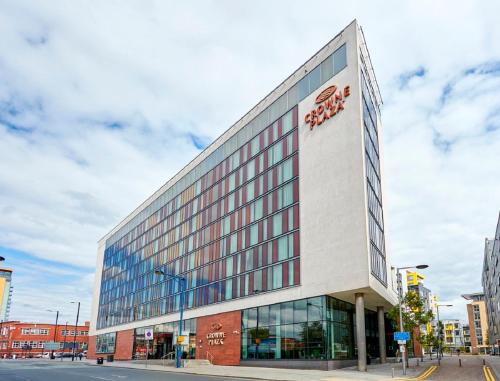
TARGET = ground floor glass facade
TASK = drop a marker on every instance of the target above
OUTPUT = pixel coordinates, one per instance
(319, 328)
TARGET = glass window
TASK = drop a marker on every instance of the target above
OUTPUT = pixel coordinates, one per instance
(259, 209)
(263, 316)
(105, 343)
(339, 59)
(230, 202)
(314, 79)
(254, 234)
(286, 313)
(287, 170)
(283, 248)
(287, 122)
(327, 69)
(255, 145)
(277, 224)
(300, 311)
(303, 87)
(231, 180)
(288, 194)
(315, 309)
(251, 170)
(251, 318)
(229, 266)
(250, 191)
(275, 314)
(234, 243)
(229, 289)
(277, 277)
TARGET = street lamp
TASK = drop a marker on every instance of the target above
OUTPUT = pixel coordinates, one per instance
(52, 357)
(76, 329)
(439, 329)
(182, 286)
(400, 300)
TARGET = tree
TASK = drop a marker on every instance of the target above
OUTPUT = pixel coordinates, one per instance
(413, 313)
(429, 341)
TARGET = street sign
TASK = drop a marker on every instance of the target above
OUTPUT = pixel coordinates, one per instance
(402, 336)
(402, 348)
(402, 342)
(51, 345)
(148, 333)
(182, 339)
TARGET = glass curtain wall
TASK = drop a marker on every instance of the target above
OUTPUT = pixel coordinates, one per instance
(319, 328)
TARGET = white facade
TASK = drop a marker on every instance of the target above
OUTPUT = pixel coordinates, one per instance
(334, 239)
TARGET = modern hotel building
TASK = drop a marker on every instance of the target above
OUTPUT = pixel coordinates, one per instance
(277, 229)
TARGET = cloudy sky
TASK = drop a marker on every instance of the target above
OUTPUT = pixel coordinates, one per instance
(101, 102)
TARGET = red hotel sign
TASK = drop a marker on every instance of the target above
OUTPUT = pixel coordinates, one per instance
(330, 102)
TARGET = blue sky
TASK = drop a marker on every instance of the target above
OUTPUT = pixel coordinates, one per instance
(102, 102)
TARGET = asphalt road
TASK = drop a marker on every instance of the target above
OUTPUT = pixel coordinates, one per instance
(450, 370)
(39, 370)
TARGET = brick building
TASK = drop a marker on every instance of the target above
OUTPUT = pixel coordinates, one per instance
(28, 339)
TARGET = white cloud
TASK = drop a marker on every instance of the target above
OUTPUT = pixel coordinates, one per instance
(155, 72)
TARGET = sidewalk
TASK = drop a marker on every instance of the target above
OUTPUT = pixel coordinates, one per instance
(377, 372)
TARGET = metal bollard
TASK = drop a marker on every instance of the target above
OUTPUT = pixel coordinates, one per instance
(417, 363)
(484, 362)
(460, 362)
(392, 372)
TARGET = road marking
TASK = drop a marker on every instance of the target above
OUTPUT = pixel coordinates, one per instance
(426, 374)
(488, 374)
(102, 378)
(117, 375)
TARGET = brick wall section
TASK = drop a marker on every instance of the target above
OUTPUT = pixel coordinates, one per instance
(91, 351)
(223, 354)
(472, 329)
(124, 344)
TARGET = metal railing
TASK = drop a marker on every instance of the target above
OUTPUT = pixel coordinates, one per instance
(168, 356)
(210, 357)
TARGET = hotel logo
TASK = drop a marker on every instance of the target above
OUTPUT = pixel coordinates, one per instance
(329, 103)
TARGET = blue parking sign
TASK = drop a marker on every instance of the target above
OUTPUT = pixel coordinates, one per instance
(402, 336)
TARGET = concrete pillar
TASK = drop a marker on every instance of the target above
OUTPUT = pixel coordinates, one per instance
(381, 334)
(360, 331)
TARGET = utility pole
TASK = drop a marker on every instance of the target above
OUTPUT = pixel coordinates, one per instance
(182, 285)
(404, 353)
(52, 357)
(439, 329)
(76, 329)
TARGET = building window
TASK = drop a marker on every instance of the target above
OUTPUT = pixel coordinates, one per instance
(105, 343)
(233, 225)
(313, 328)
